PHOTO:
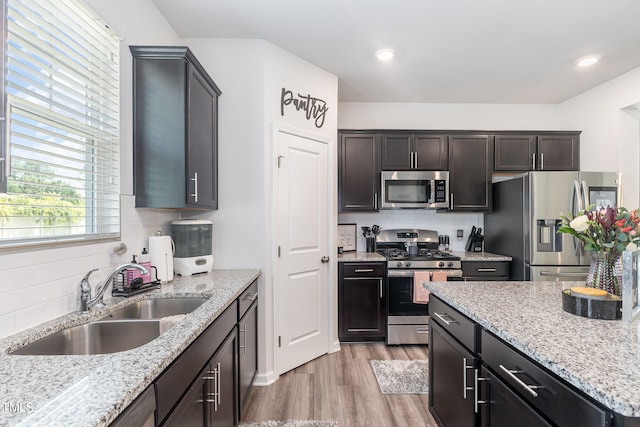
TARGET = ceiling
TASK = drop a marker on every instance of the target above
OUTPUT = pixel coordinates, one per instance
(447, 51)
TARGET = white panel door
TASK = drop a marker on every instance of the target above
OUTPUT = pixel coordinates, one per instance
(302, 278)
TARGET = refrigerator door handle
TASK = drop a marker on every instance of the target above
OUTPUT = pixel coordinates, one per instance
(576, 201)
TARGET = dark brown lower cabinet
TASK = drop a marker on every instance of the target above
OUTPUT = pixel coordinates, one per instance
(361, 310)
(248, 353)
(451, 379)
(502, 407)
(210, 401)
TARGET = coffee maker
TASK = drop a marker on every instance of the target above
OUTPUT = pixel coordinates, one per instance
(193, 240)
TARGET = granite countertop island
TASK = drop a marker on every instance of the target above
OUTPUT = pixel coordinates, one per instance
(599, 357)
(91, 390)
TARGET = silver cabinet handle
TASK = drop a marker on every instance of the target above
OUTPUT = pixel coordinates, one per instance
(364, 270)
(541, 161)
(380, 286)
(415, 160)
(528, 387)
(422, 331)
(533, 161)
(195, 187)
(251, 297)
(243, 332)
(442, 318)
(375, 200)
(465, 388)
(218, 385)
(487, 270)
(476, 402)
(451, 202)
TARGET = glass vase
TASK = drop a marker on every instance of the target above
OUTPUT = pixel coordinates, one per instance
(605, 272)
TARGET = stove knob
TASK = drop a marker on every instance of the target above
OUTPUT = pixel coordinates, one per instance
(408, 264)
(441, 264)
(399, 264)
(450, 264)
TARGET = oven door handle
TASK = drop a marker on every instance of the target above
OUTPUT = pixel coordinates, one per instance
(400, 273)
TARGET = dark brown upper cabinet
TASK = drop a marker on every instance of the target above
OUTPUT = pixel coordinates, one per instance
(175, 131)
(470, 172)
(358, 172)
(553, 151)
(414, 151)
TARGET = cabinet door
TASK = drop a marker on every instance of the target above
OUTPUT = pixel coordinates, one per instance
(222, 392)
(202, 146)
(190, 410)
(396, 151)
(159, 131)
(451, 380)
(558, 152)
(359, 172)
(470, 172)
(361, 309)
(248, 352)
(502, 407)
(431, 152)
(514, 152)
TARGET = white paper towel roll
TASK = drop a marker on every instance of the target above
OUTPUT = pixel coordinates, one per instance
(161, 256)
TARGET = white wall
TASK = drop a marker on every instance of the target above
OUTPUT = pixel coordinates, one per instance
(251, 75)
(609, 139)
(39, 285)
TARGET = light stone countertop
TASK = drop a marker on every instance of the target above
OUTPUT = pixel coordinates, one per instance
(480, 256)
(464, 256)
(361, 257)
(92, 390)
(599, 357)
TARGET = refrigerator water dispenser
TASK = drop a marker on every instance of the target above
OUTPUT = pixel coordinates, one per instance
(549, 240)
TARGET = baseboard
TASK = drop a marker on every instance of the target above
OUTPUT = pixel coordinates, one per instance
(262, 380)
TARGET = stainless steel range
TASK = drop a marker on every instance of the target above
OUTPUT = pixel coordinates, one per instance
(407, 251)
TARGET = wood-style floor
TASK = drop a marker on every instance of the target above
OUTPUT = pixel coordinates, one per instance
(341, 386)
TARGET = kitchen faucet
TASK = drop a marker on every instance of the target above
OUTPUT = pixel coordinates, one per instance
(85, 301)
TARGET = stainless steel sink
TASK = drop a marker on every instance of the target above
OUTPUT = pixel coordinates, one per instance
(157, 308)
(95, 338)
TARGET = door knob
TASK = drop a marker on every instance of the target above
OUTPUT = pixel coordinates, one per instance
(324, 259)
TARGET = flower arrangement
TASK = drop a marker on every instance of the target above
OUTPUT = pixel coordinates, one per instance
(604, 229)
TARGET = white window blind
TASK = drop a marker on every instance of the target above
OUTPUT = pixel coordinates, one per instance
(62, 124)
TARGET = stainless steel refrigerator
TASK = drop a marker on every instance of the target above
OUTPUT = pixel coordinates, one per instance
(526, 216)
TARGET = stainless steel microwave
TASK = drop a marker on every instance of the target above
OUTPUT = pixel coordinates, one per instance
(415, 190)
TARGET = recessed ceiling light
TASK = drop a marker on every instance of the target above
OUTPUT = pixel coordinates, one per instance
(385, 54)
(587, 61)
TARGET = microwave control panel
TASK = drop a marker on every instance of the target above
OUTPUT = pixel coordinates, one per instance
(441, 190)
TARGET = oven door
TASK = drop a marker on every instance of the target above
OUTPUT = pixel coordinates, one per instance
(400, 295)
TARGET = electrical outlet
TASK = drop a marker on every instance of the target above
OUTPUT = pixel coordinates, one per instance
(460, 234)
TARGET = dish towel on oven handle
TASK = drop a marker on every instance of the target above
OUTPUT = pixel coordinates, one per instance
(439, 276)
(420, 293)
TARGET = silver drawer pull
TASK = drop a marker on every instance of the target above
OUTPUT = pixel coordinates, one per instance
(251, 297)
(529, 388)
(487, 270)
(442, 318)
(422, 330)
(476, 391)
(364, 270)
(465, 387)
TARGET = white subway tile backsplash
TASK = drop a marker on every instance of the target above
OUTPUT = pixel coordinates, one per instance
(7, 324)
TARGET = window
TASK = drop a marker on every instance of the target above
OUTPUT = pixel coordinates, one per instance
(60, 156)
